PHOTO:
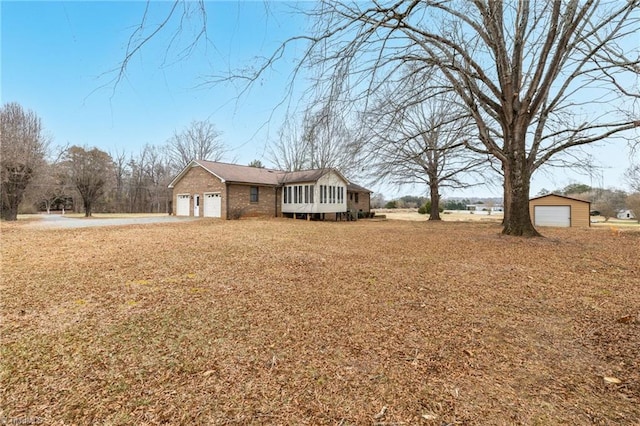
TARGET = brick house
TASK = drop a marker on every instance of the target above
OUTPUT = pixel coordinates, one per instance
(358, 199)
(228, 191)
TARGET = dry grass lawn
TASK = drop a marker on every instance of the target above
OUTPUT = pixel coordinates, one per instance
(294, 322)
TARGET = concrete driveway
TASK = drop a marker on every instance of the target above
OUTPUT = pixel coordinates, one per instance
(56, 221)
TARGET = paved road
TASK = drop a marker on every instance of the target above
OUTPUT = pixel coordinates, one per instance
(56, 221)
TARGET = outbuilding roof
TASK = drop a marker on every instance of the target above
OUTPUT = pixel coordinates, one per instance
(558, 195)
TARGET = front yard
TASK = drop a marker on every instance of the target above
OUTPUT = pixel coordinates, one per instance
(294, 322)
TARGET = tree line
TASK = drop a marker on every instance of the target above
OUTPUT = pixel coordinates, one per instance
(37, 176)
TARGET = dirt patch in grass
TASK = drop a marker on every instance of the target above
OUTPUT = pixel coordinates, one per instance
(295, 322)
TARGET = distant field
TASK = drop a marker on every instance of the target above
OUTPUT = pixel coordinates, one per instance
(456, 216)
(340, 323)
(449, 215)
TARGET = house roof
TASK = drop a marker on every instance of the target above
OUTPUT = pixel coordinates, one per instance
(558, 195)
(235, 173)
(303, 175)
(357, 188)
(241, 174)
(308, 175)
(227, 172)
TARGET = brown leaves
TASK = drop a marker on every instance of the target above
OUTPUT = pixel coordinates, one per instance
(296, 322)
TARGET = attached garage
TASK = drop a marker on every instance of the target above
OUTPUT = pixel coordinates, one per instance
(560, 211)
(183, 204)
(212, 205)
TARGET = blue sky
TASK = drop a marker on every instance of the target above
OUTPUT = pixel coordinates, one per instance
(58, 60)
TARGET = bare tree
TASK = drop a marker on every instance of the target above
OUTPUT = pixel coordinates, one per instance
(50, 187)
(199, 141)
(525, 71)
(632, 176)
(322, 140)
(538, 78)
(633, 204)
(158, 175)
(608, 201)
(89, 170)
(120, 174)
(418, 137)
(289, 151)
(329, 140)
(22, 152)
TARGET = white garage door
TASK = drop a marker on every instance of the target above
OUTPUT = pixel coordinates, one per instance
(552, 216)
(182, 209)
(212, 205)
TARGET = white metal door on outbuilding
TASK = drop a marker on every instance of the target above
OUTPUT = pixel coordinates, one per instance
(552, 216)
(212, 205)
(182, 207)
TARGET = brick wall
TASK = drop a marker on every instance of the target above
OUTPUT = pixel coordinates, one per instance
(198, 181)
(363, 201)
(239, 201)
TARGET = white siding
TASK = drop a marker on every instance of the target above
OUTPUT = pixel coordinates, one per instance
(331, 205)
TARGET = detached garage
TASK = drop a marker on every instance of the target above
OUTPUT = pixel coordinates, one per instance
(560, 211)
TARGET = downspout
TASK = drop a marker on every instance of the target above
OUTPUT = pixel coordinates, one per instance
(226, 190)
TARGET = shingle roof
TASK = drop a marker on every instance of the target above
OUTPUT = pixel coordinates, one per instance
(242, 174)
(303, 175)
(357, 188)
(236, 173)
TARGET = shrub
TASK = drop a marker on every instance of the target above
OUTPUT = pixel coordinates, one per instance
(393, 204)
(236, 213)
(426, 209)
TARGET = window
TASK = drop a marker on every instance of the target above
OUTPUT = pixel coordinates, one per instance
(286, 199)
(306, 194)
(311, 189)
(253, 194)
(300, 194)
(295, 194)
(356, 197)
(351, 196)
(326, 200)
(321, 194)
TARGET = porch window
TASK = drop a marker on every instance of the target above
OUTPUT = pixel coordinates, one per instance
(311, 189)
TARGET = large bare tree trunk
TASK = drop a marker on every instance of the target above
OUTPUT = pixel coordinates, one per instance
(517, 219)
(434, 214)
